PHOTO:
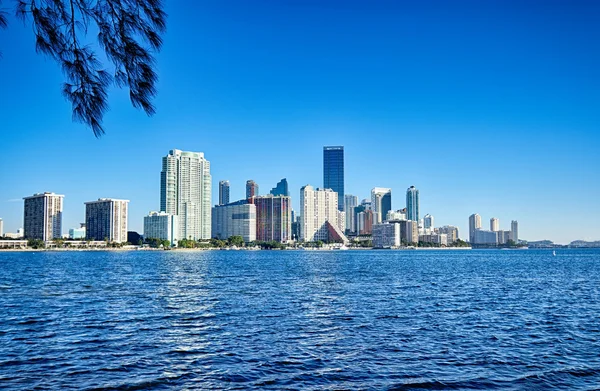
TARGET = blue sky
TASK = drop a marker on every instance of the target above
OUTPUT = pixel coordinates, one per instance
(489, 107)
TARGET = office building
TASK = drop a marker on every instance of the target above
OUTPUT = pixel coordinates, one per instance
(350, 202)
(494, 224)
(43, 216)
(319, 216)
(412, 204)
(381, 202)
(234, 219)
(428, 223)
(77, 233)
(514, 231)
(185, 191)
(483, 237)
(333, 172)
(223, 192)
(161, 225)
(450, 231)
(273, 218)
(396, 215)
(386, 235)
(474, 224)
(106, 219)
(281, 189)
(251, 189)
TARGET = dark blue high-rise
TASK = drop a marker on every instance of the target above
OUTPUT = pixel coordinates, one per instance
(333, 172)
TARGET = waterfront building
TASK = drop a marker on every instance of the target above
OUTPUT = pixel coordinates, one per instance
(386, 235)
(365, 221)
(1, 228)
(474, 224)
(77, 233)
(251, 189)
(350, 202)
(43, 216)
(281, 189)
(494, 224)
(319, 216)
(514, 231)
(484, 237)
(273, 218)
(409, 231)
(396, 215)
(333, 171)
(161, 225)
(381, 201)
(436, 238)
(503, 236)
(223, 192)
(106, 219)
(428, 222)
(412, 204)
(185, 191)
(450, 231)
(234, 219)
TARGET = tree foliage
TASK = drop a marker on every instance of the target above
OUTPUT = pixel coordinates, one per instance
(129, 33)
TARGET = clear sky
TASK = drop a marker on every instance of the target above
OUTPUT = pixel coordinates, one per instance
(489, 107)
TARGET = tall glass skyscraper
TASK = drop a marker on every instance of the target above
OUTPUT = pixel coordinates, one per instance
(333, 172)
(281, 189)
(381, 201)
(223, 192)
(412, 204)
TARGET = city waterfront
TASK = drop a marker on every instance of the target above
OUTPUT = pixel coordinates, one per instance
(300, 319)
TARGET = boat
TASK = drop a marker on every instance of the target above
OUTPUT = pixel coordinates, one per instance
(553, 253)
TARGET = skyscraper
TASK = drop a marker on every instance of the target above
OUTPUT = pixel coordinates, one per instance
(251, 189)
(494, 224)
(281, 189)
(474, 225)
(412, 204)
(273, 218)
(514, 231)
(333, 172)
(106, 219)
(43, 216)
(223, 192)
(428, 221)
(185, 191)
(381, 201)
(350, 202)
(320, 216)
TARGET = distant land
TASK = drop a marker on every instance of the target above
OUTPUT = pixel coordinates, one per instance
(573, 244)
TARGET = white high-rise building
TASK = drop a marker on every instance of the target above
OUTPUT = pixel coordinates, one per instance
(474, 225)
(106, 219)
(43, 216)
(514, 231)
(185, 191)
(161, 225)
(494, 224)
(350, 202)
(320, 217)
(381, 202)
(234, 219)
(428, 222)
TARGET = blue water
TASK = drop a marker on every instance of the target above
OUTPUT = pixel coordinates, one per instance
(397, 320)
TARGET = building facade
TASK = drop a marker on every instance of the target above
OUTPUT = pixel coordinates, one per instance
(185, 191)
(273, 218)
(428, 222)
(77, 233)
(319, 215)
(474, 224)
(483, 237)
(223, 192)
(106, 219)
(514, 231)
(251, 189)
(381, 202)
(42, 216)
(494, 224)
(386, 235)
(365, 221)
(281, 189)
(412, 204)
(350, 202)
(396, 215)
(333, 172)
(1, 228)
(161, 225)
(409, 231)
(450, 231)
(234, 219)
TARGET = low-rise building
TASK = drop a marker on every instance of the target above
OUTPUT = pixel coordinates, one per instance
(483, 237)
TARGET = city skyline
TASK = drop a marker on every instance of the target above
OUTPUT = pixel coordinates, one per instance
(455, 92)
